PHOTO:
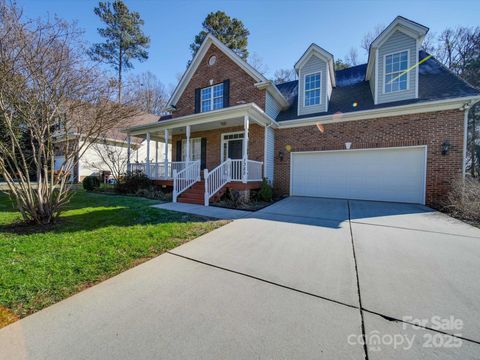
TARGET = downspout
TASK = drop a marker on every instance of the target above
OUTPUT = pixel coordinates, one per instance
(465, 108)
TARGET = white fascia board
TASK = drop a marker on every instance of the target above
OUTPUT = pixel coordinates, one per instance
(207, 42)
(417, 108)
(251, 109)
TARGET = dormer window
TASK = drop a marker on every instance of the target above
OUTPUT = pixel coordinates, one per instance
(312, 89)
(212, 97)
(396, 76)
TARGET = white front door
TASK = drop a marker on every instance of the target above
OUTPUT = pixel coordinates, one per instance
(396, 174)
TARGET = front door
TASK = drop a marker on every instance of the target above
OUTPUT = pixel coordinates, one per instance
(235, 149)
(232, 146)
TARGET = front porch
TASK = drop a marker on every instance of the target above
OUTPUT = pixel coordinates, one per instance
(210, 152)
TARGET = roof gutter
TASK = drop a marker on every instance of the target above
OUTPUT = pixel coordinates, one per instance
(456, 103)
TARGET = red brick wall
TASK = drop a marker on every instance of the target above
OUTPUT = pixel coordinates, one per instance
(242, 87)
(256, 136)
(430, 129)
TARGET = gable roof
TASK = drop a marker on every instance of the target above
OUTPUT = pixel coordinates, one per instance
(315, 50)
(353, 94)
(400, 23)
(261, 81)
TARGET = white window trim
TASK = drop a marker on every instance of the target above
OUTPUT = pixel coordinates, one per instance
(222, 146)
(305, 91)
(212, 98)
(385, 72)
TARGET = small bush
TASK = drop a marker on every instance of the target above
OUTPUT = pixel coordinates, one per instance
(132, 182)
(91, 183)
(464, 200)
(265, 193)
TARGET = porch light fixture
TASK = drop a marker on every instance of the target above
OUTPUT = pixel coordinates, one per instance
(445, 147)
(280, 155)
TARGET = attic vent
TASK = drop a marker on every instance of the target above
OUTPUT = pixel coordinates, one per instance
(212, 60)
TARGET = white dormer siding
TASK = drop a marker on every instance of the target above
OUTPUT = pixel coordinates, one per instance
(312, 66)
(272, 107)
(396, 43)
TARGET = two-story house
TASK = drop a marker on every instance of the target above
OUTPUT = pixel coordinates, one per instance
(393, 129)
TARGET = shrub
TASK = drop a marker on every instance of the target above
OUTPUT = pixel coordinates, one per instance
(265, 193)
(152, 193)
(132, 182)
(464, 200)
(91, 183)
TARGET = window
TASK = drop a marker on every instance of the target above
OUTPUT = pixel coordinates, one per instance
(395, 72)
(195, 149)
(212, 97)
(312, 89)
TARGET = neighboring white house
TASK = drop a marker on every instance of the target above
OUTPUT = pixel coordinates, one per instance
(95, 159)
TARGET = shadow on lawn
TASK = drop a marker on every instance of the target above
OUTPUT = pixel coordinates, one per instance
(98, 219)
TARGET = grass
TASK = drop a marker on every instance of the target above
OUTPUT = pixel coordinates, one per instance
(97, 237)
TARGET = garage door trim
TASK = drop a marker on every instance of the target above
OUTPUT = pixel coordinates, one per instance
(424, 147)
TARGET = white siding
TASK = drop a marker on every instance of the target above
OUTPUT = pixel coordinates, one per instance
(397, 42)
(269, 153)
(91, 162)
(313, 65)
(272, 107)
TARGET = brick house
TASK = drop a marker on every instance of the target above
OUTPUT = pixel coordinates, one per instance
(393, 129)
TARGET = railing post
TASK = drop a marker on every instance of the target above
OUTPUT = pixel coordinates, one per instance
(229, 170)
(174, 186)
(207, 196)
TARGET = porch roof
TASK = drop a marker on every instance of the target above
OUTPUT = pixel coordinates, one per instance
(230, 114)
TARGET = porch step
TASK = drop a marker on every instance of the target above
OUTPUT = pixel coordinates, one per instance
(194, 195)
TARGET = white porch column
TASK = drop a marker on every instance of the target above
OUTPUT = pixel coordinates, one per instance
(147, 164)
(187, 147)
(156, 159)
(246, 125)
(129, 142)
(165, 154)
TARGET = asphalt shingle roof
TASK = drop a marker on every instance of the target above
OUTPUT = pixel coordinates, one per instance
(353, 93)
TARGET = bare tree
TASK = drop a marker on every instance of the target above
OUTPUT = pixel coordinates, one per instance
(257, 62)
(111, 154)
(52, 93)
(352, 57)
(283, 75)
(370, 36)
(147, 93)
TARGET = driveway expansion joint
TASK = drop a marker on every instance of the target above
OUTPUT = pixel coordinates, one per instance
(365, 347)
(263, 280)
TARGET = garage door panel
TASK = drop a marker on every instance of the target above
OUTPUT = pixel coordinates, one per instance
(380, 174)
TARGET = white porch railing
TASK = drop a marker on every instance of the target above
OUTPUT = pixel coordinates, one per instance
(216, 179)
(185, 178)
(158, 170)
(230, 170)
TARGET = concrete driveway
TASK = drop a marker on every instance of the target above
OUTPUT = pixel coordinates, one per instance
(304, 278)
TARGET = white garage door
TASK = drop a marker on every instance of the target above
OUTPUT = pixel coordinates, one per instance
(396, 174)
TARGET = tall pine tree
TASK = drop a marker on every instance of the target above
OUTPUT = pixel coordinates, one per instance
(124, 38)
(229, 31)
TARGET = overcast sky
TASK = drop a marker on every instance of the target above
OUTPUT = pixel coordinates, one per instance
(280, 31)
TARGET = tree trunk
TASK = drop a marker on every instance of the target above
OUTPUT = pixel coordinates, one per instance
(120, 58)
(473, 142)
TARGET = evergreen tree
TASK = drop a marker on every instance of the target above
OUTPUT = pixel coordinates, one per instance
(124, 38)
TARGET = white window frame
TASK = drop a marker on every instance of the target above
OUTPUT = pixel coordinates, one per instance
(192, 148)
(305, 90)
(224, 141)
(212, 98)
(384, 92)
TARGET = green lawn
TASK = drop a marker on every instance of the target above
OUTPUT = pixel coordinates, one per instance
(97, 237)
